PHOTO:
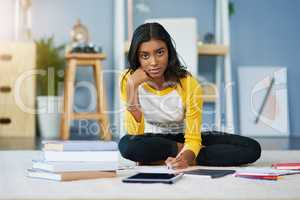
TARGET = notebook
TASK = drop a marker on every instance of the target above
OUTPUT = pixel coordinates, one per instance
(264, 171)
(287, 166)
(213, 173)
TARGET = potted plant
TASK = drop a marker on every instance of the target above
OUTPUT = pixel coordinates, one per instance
(50, 65)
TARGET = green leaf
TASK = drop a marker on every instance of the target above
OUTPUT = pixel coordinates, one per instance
(50, 59)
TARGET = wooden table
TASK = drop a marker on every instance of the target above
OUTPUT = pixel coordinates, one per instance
(15, 185)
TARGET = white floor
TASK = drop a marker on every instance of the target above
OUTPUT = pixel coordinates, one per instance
(15, 185)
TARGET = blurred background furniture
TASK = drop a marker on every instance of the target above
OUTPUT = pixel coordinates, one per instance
(17, 89)
(85, 60)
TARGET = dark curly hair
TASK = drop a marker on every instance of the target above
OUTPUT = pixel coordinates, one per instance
(144, 33)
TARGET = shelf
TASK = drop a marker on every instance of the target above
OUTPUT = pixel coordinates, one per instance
(126, 46)
(87, 56)
(212, 49)
(210, 92)
(203, 49)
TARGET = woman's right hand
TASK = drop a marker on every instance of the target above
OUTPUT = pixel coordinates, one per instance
(138, 77)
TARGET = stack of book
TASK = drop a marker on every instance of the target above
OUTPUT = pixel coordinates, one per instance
(76, 160)
(264, 173)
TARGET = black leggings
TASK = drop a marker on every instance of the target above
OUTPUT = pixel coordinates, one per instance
(220, 149)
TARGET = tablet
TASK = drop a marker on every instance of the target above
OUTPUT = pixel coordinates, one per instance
(153, 178)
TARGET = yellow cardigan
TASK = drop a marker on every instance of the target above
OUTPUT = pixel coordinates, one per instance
(192, 97)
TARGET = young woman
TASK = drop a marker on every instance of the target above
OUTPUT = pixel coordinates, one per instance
(163, 114)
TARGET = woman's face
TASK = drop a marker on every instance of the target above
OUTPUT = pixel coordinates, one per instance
(153, 57)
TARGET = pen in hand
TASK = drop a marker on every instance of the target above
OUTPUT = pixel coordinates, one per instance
(173, 160)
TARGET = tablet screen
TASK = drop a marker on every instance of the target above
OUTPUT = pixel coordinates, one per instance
(152, 176)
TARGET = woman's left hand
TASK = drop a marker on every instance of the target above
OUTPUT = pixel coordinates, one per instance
(181, 161)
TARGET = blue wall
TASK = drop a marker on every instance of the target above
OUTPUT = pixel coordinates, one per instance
(267, 33)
